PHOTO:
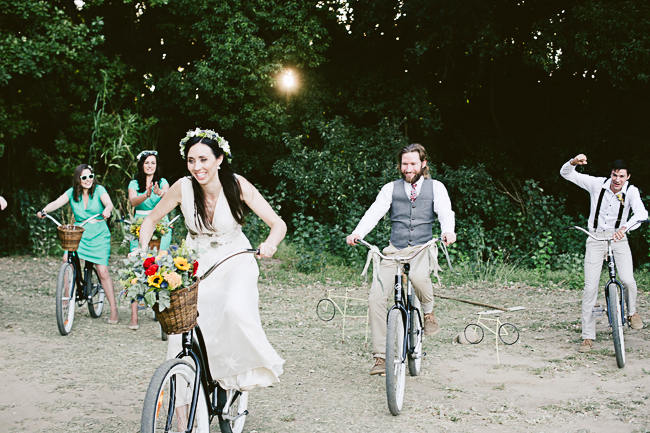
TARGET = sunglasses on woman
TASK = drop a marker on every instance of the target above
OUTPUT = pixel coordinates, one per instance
(90, 176)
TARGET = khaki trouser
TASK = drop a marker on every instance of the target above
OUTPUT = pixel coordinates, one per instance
(595, 252)
(380, 290)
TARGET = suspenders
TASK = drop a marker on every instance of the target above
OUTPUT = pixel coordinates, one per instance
(600, 200)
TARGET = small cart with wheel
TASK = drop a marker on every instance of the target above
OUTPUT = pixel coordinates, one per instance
(490, 320)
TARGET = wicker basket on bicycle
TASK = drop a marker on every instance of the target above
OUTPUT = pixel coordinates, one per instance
(182, 312)
(69, 236)
(154, 243)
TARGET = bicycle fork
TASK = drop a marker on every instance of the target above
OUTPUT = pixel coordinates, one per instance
(611, 267)
(401, 281)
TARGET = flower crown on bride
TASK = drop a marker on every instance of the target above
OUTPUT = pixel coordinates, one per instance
(205, 133)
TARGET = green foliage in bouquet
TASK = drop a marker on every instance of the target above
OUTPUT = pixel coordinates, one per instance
(153, 278)
(160, 230)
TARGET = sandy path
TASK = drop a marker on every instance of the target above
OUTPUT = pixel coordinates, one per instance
(95, 378)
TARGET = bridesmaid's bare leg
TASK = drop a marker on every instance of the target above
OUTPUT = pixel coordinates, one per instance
(107, 284)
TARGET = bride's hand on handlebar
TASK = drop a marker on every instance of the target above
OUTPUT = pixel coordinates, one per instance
(265, 250)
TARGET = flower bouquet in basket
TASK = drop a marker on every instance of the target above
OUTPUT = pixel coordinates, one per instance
(167, 283)
(160, 231)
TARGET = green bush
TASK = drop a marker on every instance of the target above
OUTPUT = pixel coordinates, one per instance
(329, 180)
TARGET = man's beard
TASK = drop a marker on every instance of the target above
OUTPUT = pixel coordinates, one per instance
(416, 177)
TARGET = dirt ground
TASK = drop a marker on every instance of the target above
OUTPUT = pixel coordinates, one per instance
(94, 380)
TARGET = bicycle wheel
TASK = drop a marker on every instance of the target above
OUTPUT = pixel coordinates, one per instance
(395, 365)
(415, 339)
(325, 309)
(95, 294)
(163, 334)
(474, 333)
(234, 420)
(65, 298)
(166, 404)
(616, 321)
(508, 333)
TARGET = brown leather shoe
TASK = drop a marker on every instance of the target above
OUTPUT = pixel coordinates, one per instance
(586, 346)
(431, 326)
(379, 367)
(636, 322)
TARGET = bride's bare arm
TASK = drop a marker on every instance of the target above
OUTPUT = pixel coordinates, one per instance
(166, 204)
(263, 209)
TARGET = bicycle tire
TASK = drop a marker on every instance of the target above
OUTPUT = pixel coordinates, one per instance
(474, 333)
(163, 334)
(237, 412)
(159, 412)
(65, 305)
(616, 322)
(325, 309)
(415, 339)
(395, 365)
(95, 293)
(508, 333)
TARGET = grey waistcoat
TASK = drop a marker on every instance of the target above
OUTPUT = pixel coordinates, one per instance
(411, 223)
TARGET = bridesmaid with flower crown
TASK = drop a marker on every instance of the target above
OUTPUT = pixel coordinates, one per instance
(145, 191)
(86, 199)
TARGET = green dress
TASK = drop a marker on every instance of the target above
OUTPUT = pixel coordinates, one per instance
(145, 207)
(95, 245)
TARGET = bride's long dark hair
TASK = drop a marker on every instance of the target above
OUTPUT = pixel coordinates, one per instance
(229, 182)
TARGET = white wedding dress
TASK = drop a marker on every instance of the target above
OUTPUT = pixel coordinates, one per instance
(239, 353)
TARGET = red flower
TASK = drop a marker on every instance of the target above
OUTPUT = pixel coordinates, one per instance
(150, 261)
(151, 270)
(195, 266)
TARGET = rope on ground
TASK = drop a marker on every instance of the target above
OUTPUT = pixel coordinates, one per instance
(481, 304)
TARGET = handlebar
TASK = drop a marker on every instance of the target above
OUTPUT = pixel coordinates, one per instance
(83, 223)
(168, 224)
(591, 235)
(412, 256)
(216, 265)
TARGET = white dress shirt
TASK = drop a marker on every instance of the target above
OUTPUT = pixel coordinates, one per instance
(610, 205)
(441, 206)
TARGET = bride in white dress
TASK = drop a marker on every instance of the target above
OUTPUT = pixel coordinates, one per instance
(212, 200)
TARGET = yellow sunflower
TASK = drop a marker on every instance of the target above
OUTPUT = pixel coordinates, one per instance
(181, 263)
(155, 280)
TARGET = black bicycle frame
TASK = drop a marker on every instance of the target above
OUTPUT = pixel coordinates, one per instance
(194, 347)
(80, 279)
(611, 267)
(406, 310)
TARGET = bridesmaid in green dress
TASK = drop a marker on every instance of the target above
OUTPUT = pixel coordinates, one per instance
(86, 199)
(145, 191)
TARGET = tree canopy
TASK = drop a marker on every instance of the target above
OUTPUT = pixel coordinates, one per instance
(502, 91)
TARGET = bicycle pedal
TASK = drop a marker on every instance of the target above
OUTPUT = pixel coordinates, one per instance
(597, 310)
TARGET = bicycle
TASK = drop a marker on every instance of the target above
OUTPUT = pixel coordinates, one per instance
(614, 297)
(504, 331)
(404, 335)
(74, 288)
(177, 378)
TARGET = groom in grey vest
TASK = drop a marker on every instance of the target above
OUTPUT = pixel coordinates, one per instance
(413, 202)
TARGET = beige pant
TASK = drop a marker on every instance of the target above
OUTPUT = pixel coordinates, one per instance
(420, 275)
(595, 252)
